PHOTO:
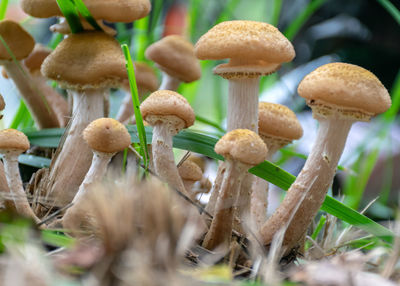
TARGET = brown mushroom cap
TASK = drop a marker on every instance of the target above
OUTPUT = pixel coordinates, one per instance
(277, 120)
(347, 89)
(11, 139)
(146, 78)
(175, 56)
(198, 160)
(86, 60)
(18, 40)
(107, 135)
(242, 145)
(246, 43)
(167, 103)
(112, 11)
(34, 61)
(2, 103)
(190, 171)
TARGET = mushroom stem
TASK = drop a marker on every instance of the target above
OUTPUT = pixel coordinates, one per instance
(126, 110)
(169, 82)
(163, 157)
(36, 102)
(221, 227)
(5, 190)
(315, 179)
(68, 169)
(15, 184)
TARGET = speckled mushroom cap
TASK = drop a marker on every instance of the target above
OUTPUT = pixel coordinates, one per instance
(12, 139)
(34, 61)
(346, 90)
(279, 121)
(18, 40)
(190, 171)
(242, 145)
(146, 78)
(167, 103)
(175, 56)
(2, 103)
(254, 48)
(107, 135)
(86, 60)
(112, 11)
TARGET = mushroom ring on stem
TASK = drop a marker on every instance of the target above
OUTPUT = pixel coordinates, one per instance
(339, 95)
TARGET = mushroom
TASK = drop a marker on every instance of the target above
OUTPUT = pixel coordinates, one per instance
(190, 173)
(105, 136)
(56, 101)
(168, 112)
(12, 144)
(254, 49)
(63, 27)
(21, 45)
(174, 55)
(88, 65)
(339, 95)
(278, 126)
(242, 149)
(146, 81)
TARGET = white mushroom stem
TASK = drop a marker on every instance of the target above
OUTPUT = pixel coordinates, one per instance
(220, 231)
(163, 157)
(315, 178)
(35, 100)
(68, 169)
(15, 184)
(169, 82)
(4, 189)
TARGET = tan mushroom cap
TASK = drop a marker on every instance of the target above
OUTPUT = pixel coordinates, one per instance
(18, 40)
(107, 135)
(198, 160)
(242, 145)
(252, 47)
(86, 60)
(167, 103)
(175, 56)
(277, 120)
(350, 90)
(112, 11)
(2, 103)
(190, 171)
(12, 139)
(146, 78)
(34, 61)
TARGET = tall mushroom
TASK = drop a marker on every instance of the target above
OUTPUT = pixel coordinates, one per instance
(21, 45)
(174, 55)
(339, 95)
(168, 112)
(88, 65)
(242, 149)
(277, 127)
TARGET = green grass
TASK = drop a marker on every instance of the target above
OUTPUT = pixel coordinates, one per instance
(392, 10)
(3, 8)
(71, 14)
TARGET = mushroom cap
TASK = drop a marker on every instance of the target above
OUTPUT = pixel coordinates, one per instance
(277, 120)
(198, 160)
(190, 171)
(242, 145)
(107, 135)
(12, 139)
(2, 103)
(146, 78)
(86, 60)
(34, 61)
(18, 40)
(167, 103)
(344, 89)
(175, 56)
(245, 40)
(111, 11)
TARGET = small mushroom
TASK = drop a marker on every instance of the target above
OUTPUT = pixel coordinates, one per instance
(242, 149)
(168, 112)
(12, 144)
(190, 173)
(105, 136)
(174, 55)
(339, 95)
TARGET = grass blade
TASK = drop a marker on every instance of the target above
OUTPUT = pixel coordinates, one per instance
(391, 9)
(70, 13)
(20, 115)
(136, 104)
(84, 11)
(210, 123)
(276, 12)
(3, 8)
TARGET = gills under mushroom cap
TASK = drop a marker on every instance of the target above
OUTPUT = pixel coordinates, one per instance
(18, 40)
(242, 145)
(13, 139)
(107, 135)
(86, 60)
(344, 88)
